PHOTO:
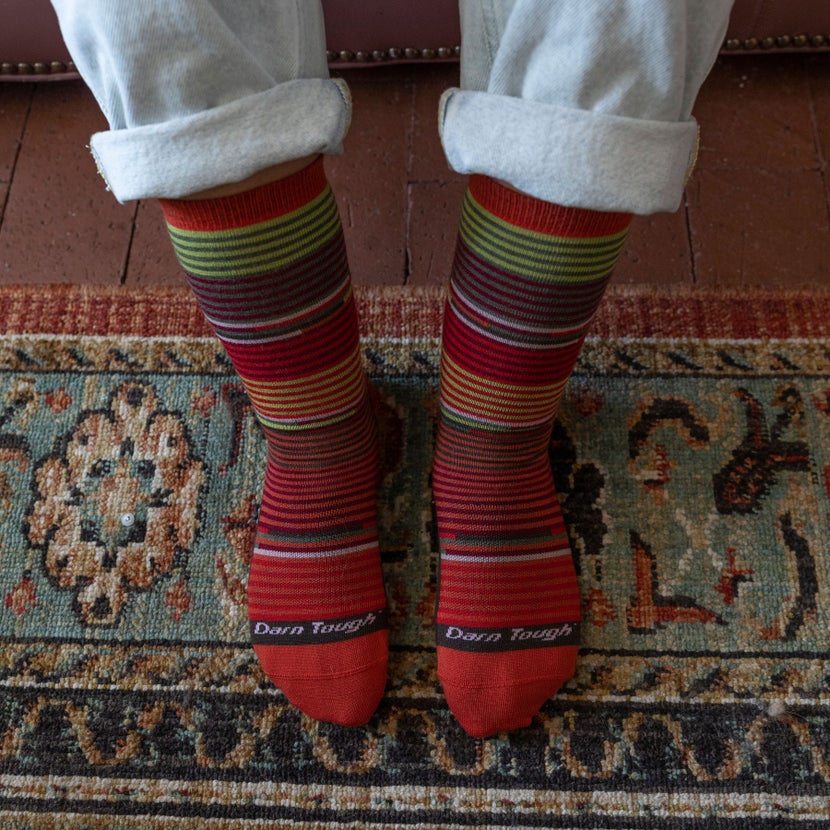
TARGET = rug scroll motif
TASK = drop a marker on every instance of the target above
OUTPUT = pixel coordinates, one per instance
(694, 470)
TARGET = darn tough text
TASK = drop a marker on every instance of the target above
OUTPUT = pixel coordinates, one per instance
(315, 628)
(509, 635)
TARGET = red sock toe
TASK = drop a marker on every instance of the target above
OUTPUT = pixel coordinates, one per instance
(339, 683)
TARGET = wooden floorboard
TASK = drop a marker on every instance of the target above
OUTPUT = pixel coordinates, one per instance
(755, 211)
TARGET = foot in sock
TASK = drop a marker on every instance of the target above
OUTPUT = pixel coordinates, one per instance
(527, 278)
(269, 270)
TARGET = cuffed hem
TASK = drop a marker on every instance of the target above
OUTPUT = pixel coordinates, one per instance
(576, 158)
(225, 144)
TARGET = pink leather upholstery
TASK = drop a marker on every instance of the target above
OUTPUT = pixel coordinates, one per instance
(379, 32)
(385, 25)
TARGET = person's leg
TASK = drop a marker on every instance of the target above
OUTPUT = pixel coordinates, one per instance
(572, 117)
(221, 111)
(584, 104)
(268, 267)
(202, 93)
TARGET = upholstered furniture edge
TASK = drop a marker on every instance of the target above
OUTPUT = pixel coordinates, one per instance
(31, 48)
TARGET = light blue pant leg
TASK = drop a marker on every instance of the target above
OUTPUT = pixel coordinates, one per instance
(586, 103)
(199, 93)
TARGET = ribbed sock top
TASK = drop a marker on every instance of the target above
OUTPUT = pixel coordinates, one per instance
(251, 207)
(544, 217)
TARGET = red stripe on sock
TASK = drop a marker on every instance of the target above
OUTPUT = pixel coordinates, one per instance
(545, 217)
(251, 207)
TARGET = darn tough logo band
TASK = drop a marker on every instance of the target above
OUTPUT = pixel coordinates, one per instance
(464, 638)
(314, 632)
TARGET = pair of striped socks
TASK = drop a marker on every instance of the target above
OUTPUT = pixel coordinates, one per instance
(268, 267)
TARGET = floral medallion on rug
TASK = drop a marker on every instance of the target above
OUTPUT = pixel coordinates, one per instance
(692, 456)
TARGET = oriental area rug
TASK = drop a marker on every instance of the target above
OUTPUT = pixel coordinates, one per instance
(692, 455)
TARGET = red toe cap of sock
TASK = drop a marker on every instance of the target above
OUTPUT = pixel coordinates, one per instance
(491, 693)
(340, 683)
(486, 712)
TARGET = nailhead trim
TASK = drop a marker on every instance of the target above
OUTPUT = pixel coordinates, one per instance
(409, 53)
(346, 56)
(753, 44)
(442, 53)
(51, 68)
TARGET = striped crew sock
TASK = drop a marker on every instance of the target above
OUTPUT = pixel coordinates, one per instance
(527, 279)
(269, 270)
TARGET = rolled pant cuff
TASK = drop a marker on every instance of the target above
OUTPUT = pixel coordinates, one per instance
(225, 144)
(573, 157)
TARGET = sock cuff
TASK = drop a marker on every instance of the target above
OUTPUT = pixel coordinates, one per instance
(259, 204)
(543, 217)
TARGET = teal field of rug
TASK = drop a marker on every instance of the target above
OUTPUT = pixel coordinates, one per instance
(692, 458)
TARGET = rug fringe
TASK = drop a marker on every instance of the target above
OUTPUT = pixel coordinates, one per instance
(416, 311)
